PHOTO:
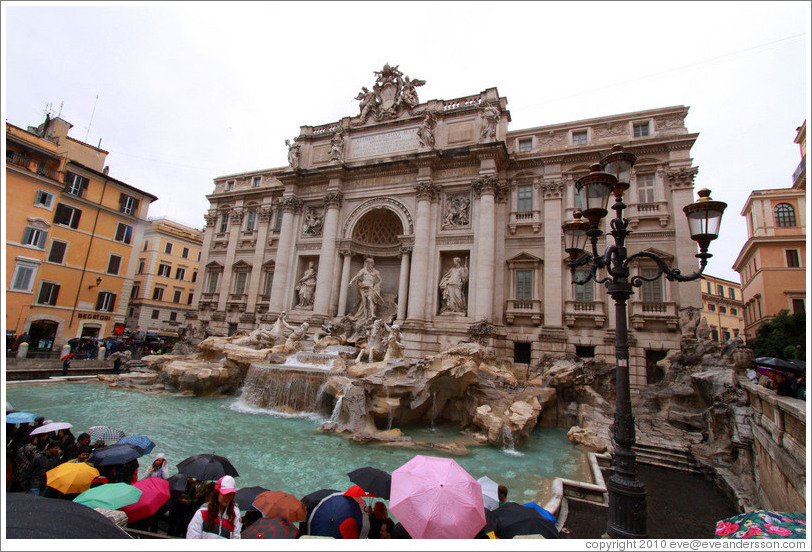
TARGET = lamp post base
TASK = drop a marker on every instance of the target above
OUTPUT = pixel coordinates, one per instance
(627, 507)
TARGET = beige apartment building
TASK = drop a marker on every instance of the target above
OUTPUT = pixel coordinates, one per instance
(165, 277)
(772, 263)
(722, 308)
(461, 218)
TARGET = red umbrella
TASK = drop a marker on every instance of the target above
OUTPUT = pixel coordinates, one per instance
(155, 492)
(69, 355)
(356, 491)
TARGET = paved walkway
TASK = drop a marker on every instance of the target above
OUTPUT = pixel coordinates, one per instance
(680, 505)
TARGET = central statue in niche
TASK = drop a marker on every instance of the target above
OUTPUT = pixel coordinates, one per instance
(368, 281)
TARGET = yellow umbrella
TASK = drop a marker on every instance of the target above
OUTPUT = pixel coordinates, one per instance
(71, 477)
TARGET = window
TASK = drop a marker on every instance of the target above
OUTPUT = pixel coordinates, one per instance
(525, 199)
(230, 185)
(793, 261)
(113, 264)
(731, 293)
(256, 181)
(23, 278)
(106, 301)
(584, 351)
(722, 309)
(44, 199)
(155, 314)
(158, 294)
(579, 138)
(640, 129)
(720, 290)
(525, 144)
(194, 276)
(710, 288)
(127, 204)
(140, 267)
(798, 306)
(57, 254)
(652, 291)
(164, 269)
(34, 237)
(711, 307)
(524, 285)
(725, 334)
(135, 291)
(250, 221)
(124, 233)
(180, 273)
(278, 225)
(48, 293)
(584, 292)
(9, 156)
(189, 300)
(715, 334)
(784, 215)
(75, 184)
(266, 287)
(67, 215)
(239, 283)
(168, 248)
(212, 287)
(522, 353)
(645, 188)
(185, 253)
(734, 311)
(176, 296)
(223, 222)
(146, 245)
(173, 316)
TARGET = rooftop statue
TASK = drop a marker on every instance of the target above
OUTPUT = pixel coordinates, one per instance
(391, 95)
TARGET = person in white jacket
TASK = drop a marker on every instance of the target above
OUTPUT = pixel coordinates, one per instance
(158, 468)
(219, 518)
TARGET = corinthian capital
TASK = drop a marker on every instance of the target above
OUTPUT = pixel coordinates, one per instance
(237, 216)
(426, 189)
(265, 214)
(333, 199)
(291, 204)
(211, 218)
(682, 178)
(486, 185)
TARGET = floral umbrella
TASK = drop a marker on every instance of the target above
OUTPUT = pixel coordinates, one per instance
(762, 524)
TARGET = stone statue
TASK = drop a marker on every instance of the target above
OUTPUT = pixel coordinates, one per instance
(293, 341)
(452, 285)
(375, 347)
(408, 94)
(259, 338)
(337, 147)
(306, 287)
(368, 103)
(312, 222)
(425, 134)
(457, 209)
(394, 346)
(368, 281)
(293, 153)
(491, 115)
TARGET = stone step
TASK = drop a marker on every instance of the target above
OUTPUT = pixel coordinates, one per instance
(678, 459)
(678, 455)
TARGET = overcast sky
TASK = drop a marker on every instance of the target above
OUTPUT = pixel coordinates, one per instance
(191, 91)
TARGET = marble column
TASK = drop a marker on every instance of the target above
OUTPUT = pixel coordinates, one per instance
(345, 282)
(264, 216)
(552, 213)
(235, 224)
(419, 280)
(325, 276)
(485, 190)
(290, 206)
(403, 282)
(208, 236)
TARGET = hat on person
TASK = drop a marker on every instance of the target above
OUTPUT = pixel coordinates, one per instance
(160, 456)
(226, 485)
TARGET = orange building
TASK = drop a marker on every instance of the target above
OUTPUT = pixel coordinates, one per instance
(773, 260)
(70, 230)
(722, 307)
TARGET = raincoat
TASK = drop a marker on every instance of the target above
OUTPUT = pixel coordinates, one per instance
(205, 526)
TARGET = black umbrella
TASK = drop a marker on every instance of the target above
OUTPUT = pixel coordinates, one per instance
(177, 483)
(400, 532)
(513, 519)
(490, 525)
(245, 497)
(207, 467)
(312, 500)
(372, 480)
(780, 364)
(35, 517)
(114, 455)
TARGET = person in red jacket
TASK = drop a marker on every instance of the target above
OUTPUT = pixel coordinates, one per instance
(219, 518)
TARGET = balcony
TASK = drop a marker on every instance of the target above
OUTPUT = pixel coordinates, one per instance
(799, 172)
(524, 308)
(642, 313)
(591, 311)
(237, 301)
(657, 210)
(31, 164)
(525, 218)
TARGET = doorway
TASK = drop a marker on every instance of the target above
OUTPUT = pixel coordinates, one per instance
(41, 335)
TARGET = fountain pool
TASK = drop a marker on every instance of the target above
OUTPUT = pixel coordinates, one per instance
(282, 451)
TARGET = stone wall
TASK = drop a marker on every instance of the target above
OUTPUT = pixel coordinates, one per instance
(779, 447)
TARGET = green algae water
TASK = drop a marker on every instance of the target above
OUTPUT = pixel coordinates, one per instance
(286, 452)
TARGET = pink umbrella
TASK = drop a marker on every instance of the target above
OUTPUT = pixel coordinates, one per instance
(435, 498)
(155, 492)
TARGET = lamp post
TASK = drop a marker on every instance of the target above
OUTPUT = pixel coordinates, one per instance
(627, 495)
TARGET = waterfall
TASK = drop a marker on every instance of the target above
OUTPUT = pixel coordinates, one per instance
(391, 416)
(336, 415)
(507, 442)
(281, 389)
(433, 409)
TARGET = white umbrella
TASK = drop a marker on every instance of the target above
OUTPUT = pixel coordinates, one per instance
(54, 426)
(490, 492)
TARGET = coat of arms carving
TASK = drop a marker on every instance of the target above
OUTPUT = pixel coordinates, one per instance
(392, 94)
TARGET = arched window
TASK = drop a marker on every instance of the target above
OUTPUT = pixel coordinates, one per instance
(784, 215)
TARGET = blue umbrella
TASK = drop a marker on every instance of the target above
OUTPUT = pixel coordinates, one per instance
(141, 441)
(541, 510)
(327, 517)
(114, 455)
(20, 418)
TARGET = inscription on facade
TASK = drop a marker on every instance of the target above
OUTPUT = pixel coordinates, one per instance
(384, 144)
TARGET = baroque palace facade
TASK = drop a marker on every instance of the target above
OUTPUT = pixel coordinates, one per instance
(461, 219)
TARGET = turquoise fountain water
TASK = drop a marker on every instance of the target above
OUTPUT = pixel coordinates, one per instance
(281, 451)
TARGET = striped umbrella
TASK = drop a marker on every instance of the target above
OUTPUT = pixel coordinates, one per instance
(105, 433)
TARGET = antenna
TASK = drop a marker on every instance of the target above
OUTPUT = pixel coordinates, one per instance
(61, 105)
(47, 110)
(91, 117)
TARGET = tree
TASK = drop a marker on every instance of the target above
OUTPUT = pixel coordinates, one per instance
(783, 336)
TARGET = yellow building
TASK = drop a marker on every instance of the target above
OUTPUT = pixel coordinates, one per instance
(70, 230)
(722, 308)
(165, 276)
(773, 260)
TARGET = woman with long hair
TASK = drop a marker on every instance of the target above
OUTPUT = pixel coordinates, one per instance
(219, 518)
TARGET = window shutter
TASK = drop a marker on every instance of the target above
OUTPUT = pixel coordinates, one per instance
(75, 220)
(43, 294)
(41, 240)
(99, 301)
(59, 214)
(27, 234)
(112, 302)
(121, 199)
(136, 202)
(85, 183)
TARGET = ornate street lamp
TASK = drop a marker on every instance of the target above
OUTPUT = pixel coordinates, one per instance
(627, 495)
